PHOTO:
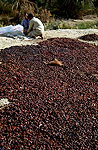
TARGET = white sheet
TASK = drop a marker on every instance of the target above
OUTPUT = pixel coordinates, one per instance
(11, 30)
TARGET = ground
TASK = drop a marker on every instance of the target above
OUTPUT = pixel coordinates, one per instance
(6, 42)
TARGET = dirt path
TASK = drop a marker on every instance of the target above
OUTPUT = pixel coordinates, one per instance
(6, 42)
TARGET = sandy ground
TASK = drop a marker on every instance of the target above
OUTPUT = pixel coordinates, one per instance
(6, 42)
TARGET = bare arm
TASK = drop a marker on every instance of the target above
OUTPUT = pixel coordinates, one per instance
(30, 26)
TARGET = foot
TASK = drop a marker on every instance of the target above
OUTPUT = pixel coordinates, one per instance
(41, 36)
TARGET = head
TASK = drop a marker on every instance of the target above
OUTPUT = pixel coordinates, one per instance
(26, 15)
(30, 16)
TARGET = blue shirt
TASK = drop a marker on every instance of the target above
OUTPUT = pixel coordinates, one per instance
(25, 23)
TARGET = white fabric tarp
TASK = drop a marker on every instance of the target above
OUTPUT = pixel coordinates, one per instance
(12, 30)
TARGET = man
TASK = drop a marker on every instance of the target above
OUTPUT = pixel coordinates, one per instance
(25, 22)
(36, 27)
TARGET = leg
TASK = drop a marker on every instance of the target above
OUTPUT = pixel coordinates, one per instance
(32, 34)
(35, 33)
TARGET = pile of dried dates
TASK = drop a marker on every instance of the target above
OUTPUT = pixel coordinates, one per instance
(89, 37)
(51, 107)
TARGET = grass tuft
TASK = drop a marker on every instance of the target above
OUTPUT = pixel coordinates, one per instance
(61, 24)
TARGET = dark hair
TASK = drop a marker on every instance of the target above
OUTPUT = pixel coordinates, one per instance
(30, 16)
(25, 13)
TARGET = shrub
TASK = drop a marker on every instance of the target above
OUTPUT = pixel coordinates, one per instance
(86, 25)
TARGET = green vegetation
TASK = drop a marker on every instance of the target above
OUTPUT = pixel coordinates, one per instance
(47, 9)
(61, 24)
(87, 25)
